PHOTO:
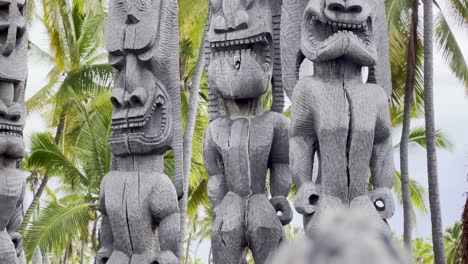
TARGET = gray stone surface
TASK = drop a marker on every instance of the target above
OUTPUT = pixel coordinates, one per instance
(13, 73)
(243, 142)
(343, 237)
(336, 116)
(138, 201)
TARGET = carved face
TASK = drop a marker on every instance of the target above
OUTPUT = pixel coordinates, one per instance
(241, 45)
(339, 28)
(12, 77)
(141, 122)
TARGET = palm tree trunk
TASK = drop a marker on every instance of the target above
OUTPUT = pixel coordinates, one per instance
(209, 256)
(188, 135)
(67, 253)
(94, 233)
(83, 245)
(409, 90)
(187, 250)
(433, 182)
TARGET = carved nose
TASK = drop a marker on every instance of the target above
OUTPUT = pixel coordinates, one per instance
(137, 97)
(10, 113)
(233, 17)
(117, 98)
(132, 19)
(343, 7)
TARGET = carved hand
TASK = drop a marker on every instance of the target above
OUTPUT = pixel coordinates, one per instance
(382, 199)
(283, 209)
(307, 198)
(358, 51)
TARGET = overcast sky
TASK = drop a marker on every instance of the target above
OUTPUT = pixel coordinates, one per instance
(451, 115)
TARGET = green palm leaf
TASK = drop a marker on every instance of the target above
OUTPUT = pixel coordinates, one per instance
(57, 224)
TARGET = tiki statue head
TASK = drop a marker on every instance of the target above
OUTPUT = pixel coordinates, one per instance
(328, 30)
(142, 120)
(13, 73)
(242, 37)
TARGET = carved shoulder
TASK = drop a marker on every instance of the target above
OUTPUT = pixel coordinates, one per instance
(383, 122)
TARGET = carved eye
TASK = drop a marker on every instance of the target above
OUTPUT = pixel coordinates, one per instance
(216, 5)
(116, 60)
(21, 9)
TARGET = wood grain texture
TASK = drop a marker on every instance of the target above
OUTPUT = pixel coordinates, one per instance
(13, 73)
(141, 218)
(344, 236)
(243, 143)
(336, 116)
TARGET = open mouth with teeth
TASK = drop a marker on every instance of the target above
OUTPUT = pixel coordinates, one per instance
(11, 130)
(320, 32)
(257, 47)
(142, 133)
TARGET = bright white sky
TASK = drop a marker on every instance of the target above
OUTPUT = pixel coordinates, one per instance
(451, 106)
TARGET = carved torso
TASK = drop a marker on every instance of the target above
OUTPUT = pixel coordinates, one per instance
(136, 202)
(336, 116)
(244, 145)
(347, 120)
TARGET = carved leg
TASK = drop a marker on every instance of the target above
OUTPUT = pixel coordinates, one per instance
(228, 231)
(8, 252)
(264, 229)
(118, 257)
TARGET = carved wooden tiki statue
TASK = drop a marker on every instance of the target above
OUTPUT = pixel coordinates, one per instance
(335, 115)
(13, 74)
(244, 142)
(137, 198)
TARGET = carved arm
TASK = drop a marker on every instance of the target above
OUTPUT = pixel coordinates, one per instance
(217, 186)
(105, 237)
(302, 136)
(280, 175)
(165, 212)
(381, 165)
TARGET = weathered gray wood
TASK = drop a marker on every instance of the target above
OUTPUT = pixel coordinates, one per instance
(138, 201)
(335, 115)
(343, 237)
(13, 74)
(244, 142)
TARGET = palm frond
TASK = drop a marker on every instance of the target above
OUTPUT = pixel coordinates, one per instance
(57, 224)
(451, 52)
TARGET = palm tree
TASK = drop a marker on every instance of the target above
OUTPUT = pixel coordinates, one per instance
(409, 87)
(191, 28)
(75, 32)
(433, 181)
(63, 224)
(416, 140)
(407, 58)
(422, 252)
(452, 239)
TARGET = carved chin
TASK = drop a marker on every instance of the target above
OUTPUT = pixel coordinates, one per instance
(11, 146)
